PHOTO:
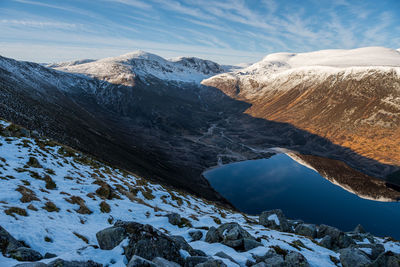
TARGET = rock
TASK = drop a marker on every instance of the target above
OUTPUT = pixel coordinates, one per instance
(49, 255)
(8, 242)
(174, 218)
(212, 263)
(359, 229)
(110, 237)
(371, 250)
(212, 235)
(232, 235)
(387, 259)
(31, 264)
(223, 255)
(270, 253)
(185, 246)
(275, 219)
(24, 132)
(306, 229)
(295, 259)
(344, 241)
(63, 263)
(196, 235)
(352, 257)
(275, 261)
(324, 230)
(326, 242)
(250, 244)
(149, 243)
(160, 262)
(195, 260)
(137, 261)
(338, 238)
(25, 254)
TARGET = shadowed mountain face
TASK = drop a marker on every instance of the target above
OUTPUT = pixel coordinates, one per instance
(170, 130)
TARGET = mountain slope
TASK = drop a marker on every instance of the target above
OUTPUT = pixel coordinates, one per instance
(350, 97)
(55, 199)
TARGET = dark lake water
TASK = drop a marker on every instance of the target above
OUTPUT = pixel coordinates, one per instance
(280, 182)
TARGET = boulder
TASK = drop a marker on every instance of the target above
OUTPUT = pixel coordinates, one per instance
(212, 235)
(338, 238)
(371, 250)
(249, 244)
(232, 235)
(223, 255)
(160, 262)
(275, 261)
(137, 261)
(147, 242)
(185, 246)
(196, 235)
(63, 263)
(212, 263)
(326, 242)
(275, 219)
(306, 229)
(352, 257)
(387, 259)
(296, 259)
(25, 254)
(174, 218)
(49, 255)
(110, 237)
(8, 242)
(195, 260)
(270, 253)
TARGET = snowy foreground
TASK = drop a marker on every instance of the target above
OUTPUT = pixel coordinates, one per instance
(41, 181)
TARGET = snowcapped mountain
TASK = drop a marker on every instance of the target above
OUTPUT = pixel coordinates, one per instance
(124, 69)
(351, 97)
(62, 207)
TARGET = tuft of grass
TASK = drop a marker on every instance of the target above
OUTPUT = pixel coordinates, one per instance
(83, 209)
(185, 223)
(83, 238)
(48, 239)
(280, 250)
(31, 207)
(27, 194)
(104, 207)
(50, 171)
(50, 184)
(216, 219)
(16, 210)
(33, 162)
(50, 207)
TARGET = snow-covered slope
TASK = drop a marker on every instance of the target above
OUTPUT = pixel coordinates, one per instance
(124, 69)
(56, 199)
(69, 63)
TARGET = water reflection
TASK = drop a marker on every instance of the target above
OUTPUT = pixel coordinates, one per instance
(314, 189)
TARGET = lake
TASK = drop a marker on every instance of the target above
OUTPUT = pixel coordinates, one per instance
(302, 193)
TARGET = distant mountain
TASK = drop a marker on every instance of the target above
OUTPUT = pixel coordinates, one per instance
(350, 97)
(124, 69)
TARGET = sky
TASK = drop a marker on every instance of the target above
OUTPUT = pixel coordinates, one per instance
(225, 31)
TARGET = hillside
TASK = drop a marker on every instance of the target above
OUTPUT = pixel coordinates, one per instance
(350, 97)
(54, 200)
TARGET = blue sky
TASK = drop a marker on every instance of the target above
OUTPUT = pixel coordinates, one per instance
(226, 31)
